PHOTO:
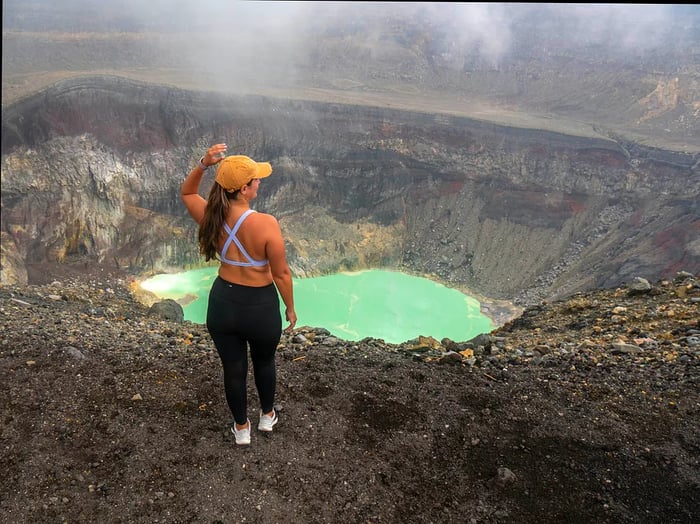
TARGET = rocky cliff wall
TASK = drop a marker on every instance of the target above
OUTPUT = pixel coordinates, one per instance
(91, 170)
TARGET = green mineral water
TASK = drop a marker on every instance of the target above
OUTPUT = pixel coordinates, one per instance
(387, 305)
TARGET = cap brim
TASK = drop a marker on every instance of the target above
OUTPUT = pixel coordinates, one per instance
(264, 169)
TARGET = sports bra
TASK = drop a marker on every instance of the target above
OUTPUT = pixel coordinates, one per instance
(233, 238)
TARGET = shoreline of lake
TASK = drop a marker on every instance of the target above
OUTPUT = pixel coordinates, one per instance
(396, 307)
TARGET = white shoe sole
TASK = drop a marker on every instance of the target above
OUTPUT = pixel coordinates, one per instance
(240, 439)
(268, 427)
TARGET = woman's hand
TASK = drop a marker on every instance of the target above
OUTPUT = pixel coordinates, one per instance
(292, 319)
(214, 154)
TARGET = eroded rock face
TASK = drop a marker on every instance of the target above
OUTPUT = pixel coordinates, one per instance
(92, 168)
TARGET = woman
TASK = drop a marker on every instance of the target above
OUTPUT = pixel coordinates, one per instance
(243, 302)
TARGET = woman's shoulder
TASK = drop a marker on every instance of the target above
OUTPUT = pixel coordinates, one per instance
(264, 220)
(266, 217)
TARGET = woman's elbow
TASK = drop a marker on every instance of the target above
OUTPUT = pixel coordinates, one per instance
(281, 272)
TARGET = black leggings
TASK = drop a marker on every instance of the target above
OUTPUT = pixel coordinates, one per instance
(237, 316)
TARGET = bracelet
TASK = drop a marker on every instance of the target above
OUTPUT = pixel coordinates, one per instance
(201, 165)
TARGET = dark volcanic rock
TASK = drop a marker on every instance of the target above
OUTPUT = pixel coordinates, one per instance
(167, 309)
(127, 419)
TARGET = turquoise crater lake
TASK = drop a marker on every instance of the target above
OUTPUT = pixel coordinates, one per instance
(387, 305)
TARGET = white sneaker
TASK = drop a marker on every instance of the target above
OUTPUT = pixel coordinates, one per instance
(242, 436)
(267, 421)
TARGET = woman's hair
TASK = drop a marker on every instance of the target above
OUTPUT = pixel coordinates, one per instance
(213, 222)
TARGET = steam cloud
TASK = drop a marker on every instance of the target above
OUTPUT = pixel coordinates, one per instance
(237, 41)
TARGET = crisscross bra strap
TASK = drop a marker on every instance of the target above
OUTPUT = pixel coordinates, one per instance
(233, 238)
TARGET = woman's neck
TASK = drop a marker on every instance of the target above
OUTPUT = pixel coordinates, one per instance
(240, 203)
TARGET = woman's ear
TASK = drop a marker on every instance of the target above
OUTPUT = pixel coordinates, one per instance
(246, 188)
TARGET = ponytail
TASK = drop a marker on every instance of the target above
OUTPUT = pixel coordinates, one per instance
(213, 222)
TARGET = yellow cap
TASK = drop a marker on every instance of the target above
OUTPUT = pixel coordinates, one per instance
(237, 170)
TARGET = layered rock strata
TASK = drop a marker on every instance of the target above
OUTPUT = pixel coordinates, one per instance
(91, 170)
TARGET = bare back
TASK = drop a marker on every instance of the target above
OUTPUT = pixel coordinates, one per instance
(255, 233)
